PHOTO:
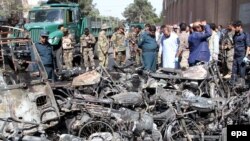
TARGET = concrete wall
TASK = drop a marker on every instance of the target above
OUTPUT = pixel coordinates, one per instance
(243, 12)
(217, 11)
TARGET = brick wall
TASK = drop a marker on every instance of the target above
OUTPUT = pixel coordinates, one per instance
(217, 11)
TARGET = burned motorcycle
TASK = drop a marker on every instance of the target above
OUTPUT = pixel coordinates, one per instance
(27, 101)
(203, 80)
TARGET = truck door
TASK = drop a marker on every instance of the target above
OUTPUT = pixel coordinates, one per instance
(71, 22)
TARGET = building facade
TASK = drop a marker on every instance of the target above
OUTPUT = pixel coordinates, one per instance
(218, 11)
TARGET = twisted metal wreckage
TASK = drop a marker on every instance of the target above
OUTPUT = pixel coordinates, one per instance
(123, 105)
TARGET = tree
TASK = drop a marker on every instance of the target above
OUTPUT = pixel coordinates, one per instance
(87, 7)
(141, 11)
(10, 7)
(12, 10)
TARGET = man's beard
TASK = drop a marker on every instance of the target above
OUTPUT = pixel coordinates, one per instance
(153, 36)
(167, 36)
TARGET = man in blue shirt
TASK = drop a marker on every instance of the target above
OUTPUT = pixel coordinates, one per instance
(44, 50)
(198, 44)
(241, 50)
(148, 44)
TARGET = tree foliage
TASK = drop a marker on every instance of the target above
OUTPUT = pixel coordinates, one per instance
(87, 7)
(141, 11)
(9, 7)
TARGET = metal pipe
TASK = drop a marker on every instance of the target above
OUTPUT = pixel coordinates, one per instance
(33, 138)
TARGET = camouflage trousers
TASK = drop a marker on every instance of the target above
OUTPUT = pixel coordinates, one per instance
(138, 58)
(120, 57)
(68, 58)
(230, 58)
(135, 55)
(184, 59)
(103, 59)
(88, 57)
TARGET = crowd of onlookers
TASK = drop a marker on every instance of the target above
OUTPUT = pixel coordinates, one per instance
(168, 46)
(185, 45)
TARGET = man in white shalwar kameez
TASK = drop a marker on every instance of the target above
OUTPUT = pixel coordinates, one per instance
(170, 44)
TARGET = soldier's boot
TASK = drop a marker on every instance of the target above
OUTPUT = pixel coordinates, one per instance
(232, 82)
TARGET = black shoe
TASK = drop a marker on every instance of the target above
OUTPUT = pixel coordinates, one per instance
(231, 83)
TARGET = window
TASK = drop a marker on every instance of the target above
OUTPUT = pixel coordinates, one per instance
(45, 15)
(69, 16)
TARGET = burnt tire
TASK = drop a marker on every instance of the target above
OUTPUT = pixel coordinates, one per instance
(94, 127)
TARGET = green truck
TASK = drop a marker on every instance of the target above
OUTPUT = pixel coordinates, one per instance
(49, 16)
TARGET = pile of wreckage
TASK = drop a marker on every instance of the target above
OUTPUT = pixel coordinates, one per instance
(127, 104)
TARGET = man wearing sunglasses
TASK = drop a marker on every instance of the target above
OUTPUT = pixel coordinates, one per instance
(198, 44)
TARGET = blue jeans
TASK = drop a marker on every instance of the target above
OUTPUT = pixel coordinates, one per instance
(239, 68)
(50, 72)
(149, 61)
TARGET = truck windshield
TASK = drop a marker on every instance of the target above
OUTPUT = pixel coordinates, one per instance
(46, 15)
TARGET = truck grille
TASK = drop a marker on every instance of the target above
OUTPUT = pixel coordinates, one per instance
(35, 34)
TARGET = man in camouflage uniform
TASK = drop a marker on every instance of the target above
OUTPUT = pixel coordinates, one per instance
(131, 38)
(183, 51)
(87, 43)
(134, 38)
(118, 40)
(103, 46)
(67, 45)
(228, 50)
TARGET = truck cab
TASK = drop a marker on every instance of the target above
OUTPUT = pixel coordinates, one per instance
(50, 16)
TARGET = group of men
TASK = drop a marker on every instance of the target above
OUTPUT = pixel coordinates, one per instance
(177, 47)
(185, 46)
(61, 57)
(118, 46)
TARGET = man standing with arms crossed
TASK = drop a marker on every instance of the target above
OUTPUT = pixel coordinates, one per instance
(87, 42)
(67, 45)
(103, 46)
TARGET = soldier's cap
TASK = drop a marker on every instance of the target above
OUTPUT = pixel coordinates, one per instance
(104, 26)
(44, 33)
(86, 30)
(121, 27)
(138, 26)
(237, 23)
